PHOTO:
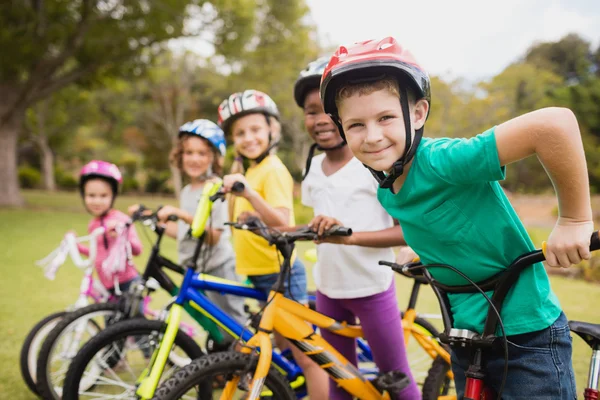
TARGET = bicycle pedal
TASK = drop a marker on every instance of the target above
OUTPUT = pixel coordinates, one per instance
(392, 382)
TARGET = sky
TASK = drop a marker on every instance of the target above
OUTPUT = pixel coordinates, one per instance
(469, 39)
(472, 39)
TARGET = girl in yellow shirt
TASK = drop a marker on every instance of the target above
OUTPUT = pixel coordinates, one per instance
(251, 119)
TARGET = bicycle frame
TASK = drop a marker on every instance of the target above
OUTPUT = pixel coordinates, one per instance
(500, 284)
(89, 288)
(189, 295)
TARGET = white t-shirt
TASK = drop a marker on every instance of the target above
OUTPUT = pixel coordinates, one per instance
(350, 196)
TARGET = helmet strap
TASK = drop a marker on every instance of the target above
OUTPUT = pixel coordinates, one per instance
(311, 153)
(410, 148)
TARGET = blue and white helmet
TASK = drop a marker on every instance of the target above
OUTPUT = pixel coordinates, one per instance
(207, 130)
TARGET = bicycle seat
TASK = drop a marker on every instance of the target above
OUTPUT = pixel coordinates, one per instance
(588, 332)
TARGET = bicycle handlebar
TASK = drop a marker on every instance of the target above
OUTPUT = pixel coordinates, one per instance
(237, 187)
(511, 273)
(142, 215)
(275, 236)
(500, 283)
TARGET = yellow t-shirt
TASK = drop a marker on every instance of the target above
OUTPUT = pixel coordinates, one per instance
(273, 182)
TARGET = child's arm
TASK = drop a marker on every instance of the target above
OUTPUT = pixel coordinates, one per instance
(134, 241)
(389, 237)
(553, 135)
(271, 216)
(212, 235)
(83, 249)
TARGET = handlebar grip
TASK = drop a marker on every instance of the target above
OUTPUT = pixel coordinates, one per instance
(172, 217)
(388, 263)
(339, 231)
(238, 187)
(595, 241)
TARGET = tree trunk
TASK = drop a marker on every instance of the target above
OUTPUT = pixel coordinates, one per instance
(10, 124)
(41, 137)
(47, 165)
(176, 176)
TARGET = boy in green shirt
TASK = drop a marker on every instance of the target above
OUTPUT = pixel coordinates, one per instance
(445, 194)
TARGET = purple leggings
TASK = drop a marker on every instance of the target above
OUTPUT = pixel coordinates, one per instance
(380, 320)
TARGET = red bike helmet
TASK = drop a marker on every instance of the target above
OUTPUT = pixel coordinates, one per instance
(370, 61)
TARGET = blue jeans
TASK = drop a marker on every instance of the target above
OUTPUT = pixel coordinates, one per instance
(295, 289)
(539, 365)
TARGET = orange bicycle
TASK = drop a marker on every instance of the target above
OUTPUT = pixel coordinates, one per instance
(250, 371)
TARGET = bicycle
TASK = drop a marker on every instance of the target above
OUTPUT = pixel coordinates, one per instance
(77, 327)
(250, 370)
(590, 333)
(168, 334)
(148, 379)
(500, 284)
(90, 290)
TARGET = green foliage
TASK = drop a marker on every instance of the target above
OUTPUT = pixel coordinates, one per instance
(65, 180)
(130, 185)
(29, 177)
(156, 182)
(569, 57)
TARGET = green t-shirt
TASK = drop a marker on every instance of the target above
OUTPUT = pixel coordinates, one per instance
(453, 211)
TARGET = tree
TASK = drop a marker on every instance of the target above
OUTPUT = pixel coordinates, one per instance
(570, 57)
(48, 45)
(282, 47)
(51, 123)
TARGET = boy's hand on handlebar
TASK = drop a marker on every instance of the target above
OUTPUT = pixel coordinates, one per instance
(321, 224)
(405, 255)
(569, 242)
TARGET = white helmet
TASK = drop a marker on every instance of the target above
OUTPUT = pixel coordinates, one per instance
(243, 103)
(309, 78)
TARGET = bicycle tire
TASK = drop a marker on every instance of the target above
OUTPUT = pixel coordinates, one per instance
(115, 334)
(437, 382)
(44, 384)
(220, 363)
(31, 348)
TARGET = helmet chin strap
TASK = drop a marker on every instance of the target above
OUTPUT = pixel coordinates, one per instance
(311, 153)
(410, 148)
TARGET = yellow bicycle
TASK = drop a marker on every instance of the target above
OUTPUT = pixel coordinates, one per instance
(250, 370)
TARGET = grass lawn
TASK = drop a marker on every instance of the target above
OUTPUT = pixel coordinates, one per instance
(30, 234)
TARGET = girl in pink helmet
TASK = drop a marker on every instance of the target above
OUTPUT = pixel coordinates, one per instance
(99, 183)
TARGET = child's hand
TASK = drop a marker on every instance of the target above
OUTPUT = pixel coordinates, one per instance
(229, 180)
(321, 224)
(244, 216)
(406, 255)
(165, 211)
(71, 232)
(132, 209)
(110, 228)
(569, 242)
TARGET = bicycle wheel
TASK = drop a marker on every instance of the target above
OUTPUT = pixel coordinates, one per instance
(93, 373)
(31, 348)
(421, 363)
(215, 370)
(437, 382)
(65, 340)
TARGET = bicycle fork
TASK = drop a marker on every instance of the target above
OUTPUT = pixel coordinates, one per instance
(159, 359)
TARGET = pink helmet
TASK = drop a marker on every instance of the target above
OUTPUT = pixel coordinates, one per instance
(103, 170)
